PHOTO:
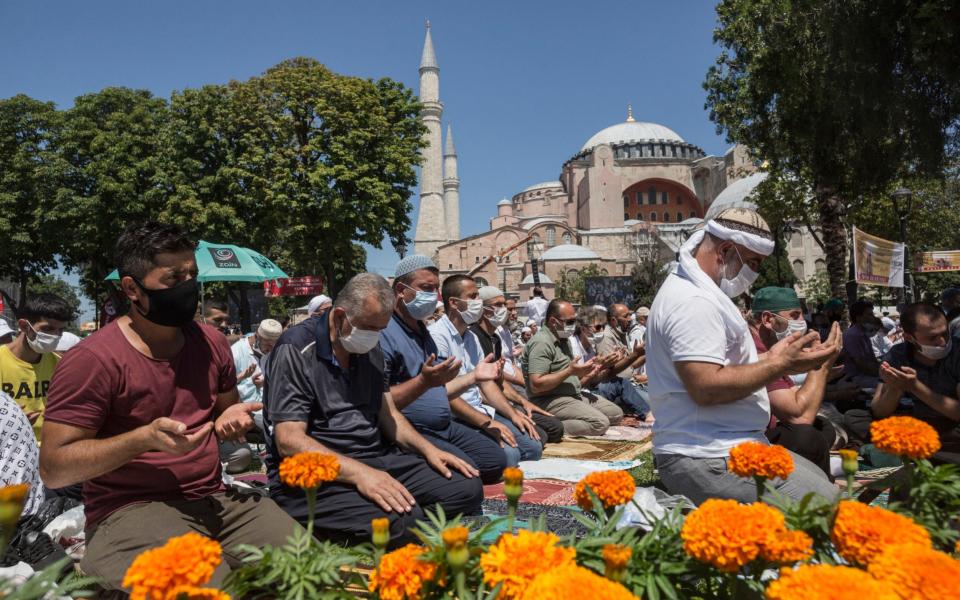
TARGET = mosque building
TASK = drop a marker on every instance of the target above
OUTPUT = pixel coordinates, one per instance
(631, 193)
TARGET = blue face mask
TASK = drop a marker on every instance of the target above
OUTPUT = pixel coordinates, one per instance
(423, 305)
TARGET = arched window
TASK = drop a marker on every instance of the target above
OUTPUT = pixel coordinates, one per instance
(666, 217)
(653, 216)
(572, 273)
(567, 238)
(480, 281)
(820, 265)
(639, 217)
(626, 202)
(651, 195)
(551, 236)
(603, 272)
(664, 198)
(693, 215)
(626, 217)
(679, 216)
(798, 269)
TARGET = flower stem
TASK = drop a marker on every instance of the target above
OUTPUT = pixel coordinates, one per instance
(759, 481)
(850, 485)
(311, 505)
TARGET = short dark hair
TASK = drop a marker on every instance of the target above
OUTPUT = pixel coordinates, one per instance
(912, 313)
(215, 304)
(140, 243)
(45, 306)
(537, 292)
(553, 309)
(452, 286)
(859, 307)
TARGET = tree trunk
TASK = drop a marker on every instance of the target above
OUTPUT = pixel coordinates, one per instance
(834, 239)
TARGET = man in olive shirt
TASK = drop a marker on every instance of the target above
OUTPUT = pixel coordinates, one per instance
(553, 378)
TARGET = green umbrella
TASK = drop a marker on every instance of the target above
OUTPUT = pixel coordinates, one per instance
(227, 262)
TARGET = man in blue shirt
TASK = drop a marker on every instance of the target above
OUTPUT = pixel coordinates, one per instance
(482, 403)
(422, 381)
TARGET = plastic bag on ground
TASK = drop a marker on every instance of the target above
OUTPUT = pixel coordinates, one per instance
(653, 504)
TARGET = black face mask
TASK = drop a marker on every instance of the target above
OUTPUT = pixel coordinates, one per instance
(171, 307)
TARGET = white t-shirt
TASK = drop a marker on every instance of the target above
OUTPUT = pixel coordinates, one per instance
(578, 351)
(685, 324)
(637, 332)
(537, 309)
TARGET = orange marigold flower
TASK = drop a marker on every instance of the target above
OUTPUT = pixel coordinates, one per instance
(917, 572)
(905, 436)
(753, 459)
(188, 592)
(861, 532)
(187, 560)
(513, 476)
(455, 536)
(616, 556)
(827, 582)
(613, 488)
(515, 560)
(729, 535)
(14, 493)
(309, 469)
(401, 574)
(571, 582)
(787, 548)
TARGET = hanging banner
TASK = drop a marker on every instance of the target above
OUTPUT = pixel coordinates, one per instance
(878, 261)
(937, 261)
(310, 285)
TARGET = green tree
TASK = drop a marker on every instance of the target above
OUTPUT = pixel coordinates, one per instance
(776, 270)
(108, 163)
(816, 289)
(842, 98)
(29, 239)
(573, 287)
(300, 163)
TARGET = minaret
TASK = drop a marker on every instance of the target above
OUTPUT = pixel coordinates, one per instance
(431, 220)
(451, 187)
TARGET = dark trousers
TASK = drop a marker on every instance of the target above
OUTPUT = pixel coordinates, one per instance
(549, 428)
(812, 442)
(473, 446)
(343, 515)
(858, 422)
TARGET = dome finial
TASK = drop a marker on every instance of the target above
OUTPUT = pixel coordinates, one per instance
(630, 118)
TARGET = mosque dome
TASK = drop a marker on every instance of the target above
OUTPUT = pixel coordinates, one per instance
(736, 195)
(570, 252)
(544, 280)
(632, 131)
(543, 185)
(504, 202)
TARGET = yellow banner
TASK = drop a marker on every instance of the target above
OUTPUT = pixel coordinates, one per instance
(937, 261)
(877, 261)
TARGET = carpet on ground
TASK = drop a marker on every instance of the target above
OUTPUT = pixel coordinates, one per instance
(560, 520)
(596, 450)
(625, 433)
(543, 492)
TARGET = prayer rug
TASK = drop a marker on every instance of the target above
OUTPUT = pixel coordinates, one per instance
(567, 469)
(543, 492)
(595, 449)
(560, 520)
(625, 433)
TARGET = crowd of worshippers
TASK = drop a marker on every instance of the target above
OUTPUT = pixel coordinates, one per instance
(427, 389)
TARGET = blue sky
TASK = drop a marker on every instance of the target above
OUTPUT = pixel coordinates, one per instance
(524, 83)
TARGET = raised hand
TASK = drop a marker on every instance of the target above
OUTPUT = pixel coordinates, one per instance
(580, 368)
(795, 358)
(488, 369)
(442, 373)
(167, 435)
(904, 378)
(236, 421)
(247, 372)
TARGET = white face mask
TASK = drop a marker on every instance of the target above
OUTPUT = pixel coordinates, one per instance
(472, 313)
(566, 332)
(499, 316)
(739, 284)
(792, 327)
(936, 352)
(42, 343)
(596, 338)
(359, 341)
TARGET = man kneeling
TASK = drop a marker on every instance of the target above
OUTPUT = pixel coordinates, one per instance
(325, 392)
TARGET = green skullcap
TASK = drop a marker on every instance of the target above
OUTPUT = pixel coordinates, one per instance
(774, 299)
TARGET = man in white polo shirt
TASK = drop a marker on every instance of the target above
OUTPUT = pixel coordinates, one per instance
(707, 384)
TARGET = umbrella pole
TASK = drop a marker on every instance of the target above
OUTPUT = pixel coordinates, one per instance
(203, 318)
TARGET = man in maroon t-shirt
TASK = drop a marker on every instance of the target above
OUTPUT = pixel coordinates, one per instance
(135, 411)
(776, 314)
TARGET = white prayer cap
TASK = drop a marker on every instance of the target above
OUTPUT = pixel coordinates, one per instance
(5, 328)
(269, 329)
(743, 227)
(316, 302)
(526, 330)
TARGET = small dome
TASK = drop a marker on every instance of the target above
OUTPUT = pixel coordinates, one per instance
(544, 280)
(543, 185)
(504, 202)
(570, 252)
(631, 131)
(736, 195)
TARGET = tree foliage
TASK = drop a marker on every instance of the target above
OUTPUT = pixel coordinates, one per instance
(29, 239)
(51, 284)
(573, 287)
(842, 98)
